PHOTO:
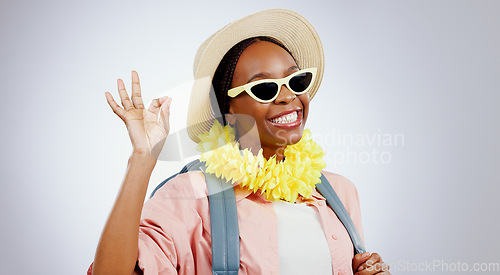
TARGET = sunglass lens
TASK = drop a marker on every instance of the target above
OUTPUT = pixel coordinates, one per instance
(265, 91)
(301, 82)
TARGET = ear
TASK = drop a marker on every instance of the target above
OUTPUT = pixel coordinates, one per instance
(230, 118)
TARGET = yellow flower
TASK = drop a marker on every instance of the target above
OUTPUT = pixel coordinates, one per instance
(296, 175)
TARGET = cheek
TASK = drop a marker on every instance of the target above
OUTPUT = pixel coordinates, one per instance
(304, 99)
(249, 106)
(248, 111)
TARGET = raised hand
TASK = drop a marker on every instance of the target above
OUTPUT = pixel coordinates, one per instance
(147, 129)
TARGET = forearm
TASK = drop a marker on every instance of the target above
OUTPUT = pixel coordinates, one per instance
(117, 248)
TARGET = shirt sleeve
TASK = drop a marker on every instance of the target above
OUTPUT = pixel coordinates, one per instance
(89, 271)
(171, 223)
(172, 226)
(156, 250)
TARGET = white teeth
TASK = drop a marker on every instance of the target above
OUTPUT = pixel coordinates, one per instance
(289, 118)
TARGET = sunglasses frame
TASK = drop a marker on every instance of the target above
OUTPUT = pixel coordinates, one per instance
(279, 81)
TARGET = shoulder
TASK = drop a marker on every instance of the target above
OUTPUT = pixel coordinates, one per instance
(186, 186)
(345, 188)
(339, 183)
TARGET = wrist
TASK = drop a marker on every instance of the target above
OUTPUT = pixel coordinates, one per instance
(143, 158)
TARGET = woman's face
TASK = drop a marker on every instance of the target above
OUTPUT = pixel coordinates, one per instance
(264, 60)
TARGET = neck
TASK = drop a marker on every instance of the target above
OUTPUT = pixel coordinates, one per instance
(278, 151)
(253, 143)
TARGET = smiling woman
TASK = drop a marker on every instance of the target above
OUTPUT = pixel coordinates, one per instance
(290, 216)
(266, 60)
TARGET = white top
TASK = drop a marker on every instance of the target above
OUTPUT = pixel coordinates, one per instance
(301, 241)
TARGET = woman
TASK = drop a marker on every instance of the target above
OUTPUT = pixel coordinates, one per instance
(263, 76)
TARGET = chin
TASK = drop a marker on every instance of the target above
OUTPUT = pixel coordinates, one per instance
(289, 137)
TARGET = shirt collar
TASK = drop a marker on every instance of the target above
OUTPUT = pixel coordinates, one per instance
(242, 192)
(317, 195)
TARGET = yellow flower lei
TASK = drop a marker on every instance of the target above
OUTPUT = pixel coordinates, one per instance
(296, 175)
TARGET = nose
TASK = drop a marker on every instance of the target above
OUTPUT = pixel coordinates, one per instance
(284, 96)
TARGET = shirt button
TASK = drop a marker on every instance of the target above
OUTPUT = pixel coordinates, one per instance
(334, 236)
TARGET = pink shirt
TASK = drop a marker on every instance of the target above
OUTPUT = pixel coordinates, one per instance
(174, 234)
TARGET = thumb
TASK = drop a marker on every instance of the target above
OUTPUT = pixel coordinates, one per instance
(359, 259)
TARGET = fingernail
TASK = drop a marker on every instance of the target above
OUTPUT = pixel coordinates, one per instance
(361, 268)
(366, 254)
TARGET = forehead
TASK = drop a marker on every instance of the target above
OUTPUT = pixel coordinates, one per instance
(263, 56)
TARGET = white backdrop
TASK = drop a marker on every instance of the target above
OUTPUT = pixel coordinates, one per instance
(408, 111)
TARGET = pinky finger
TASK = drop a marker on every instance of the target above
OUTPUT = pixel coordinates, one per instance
(116, 108)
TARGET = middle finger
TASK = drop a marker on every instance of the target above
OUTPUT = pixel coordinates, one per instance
(136, 91)
(127, 104)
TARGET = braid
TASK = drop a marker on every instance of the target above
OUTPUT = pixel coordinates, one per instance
(223, 77)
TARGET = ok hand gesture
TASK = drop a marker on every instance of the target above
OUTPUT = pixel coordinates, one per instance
(147, 129)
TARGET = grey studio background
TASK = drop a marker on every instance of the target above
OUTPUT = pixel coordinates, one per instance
(408, 110)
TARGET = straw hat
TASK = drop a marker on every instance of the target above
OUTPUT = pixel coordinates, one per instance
(286, 26)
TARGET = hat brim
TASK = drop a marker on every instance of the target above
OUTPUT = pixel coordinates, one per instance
(286, 26)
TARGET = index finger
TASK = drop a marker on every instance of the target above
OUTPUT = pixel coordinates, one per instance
(136, 91)
(370, 263)
(359, 259)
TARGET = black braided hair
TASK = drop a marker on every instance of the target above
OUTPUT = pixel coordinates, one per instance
(223, 77)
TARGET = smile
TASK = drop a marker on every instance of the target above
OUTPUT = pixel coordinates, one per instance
(292, 119)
